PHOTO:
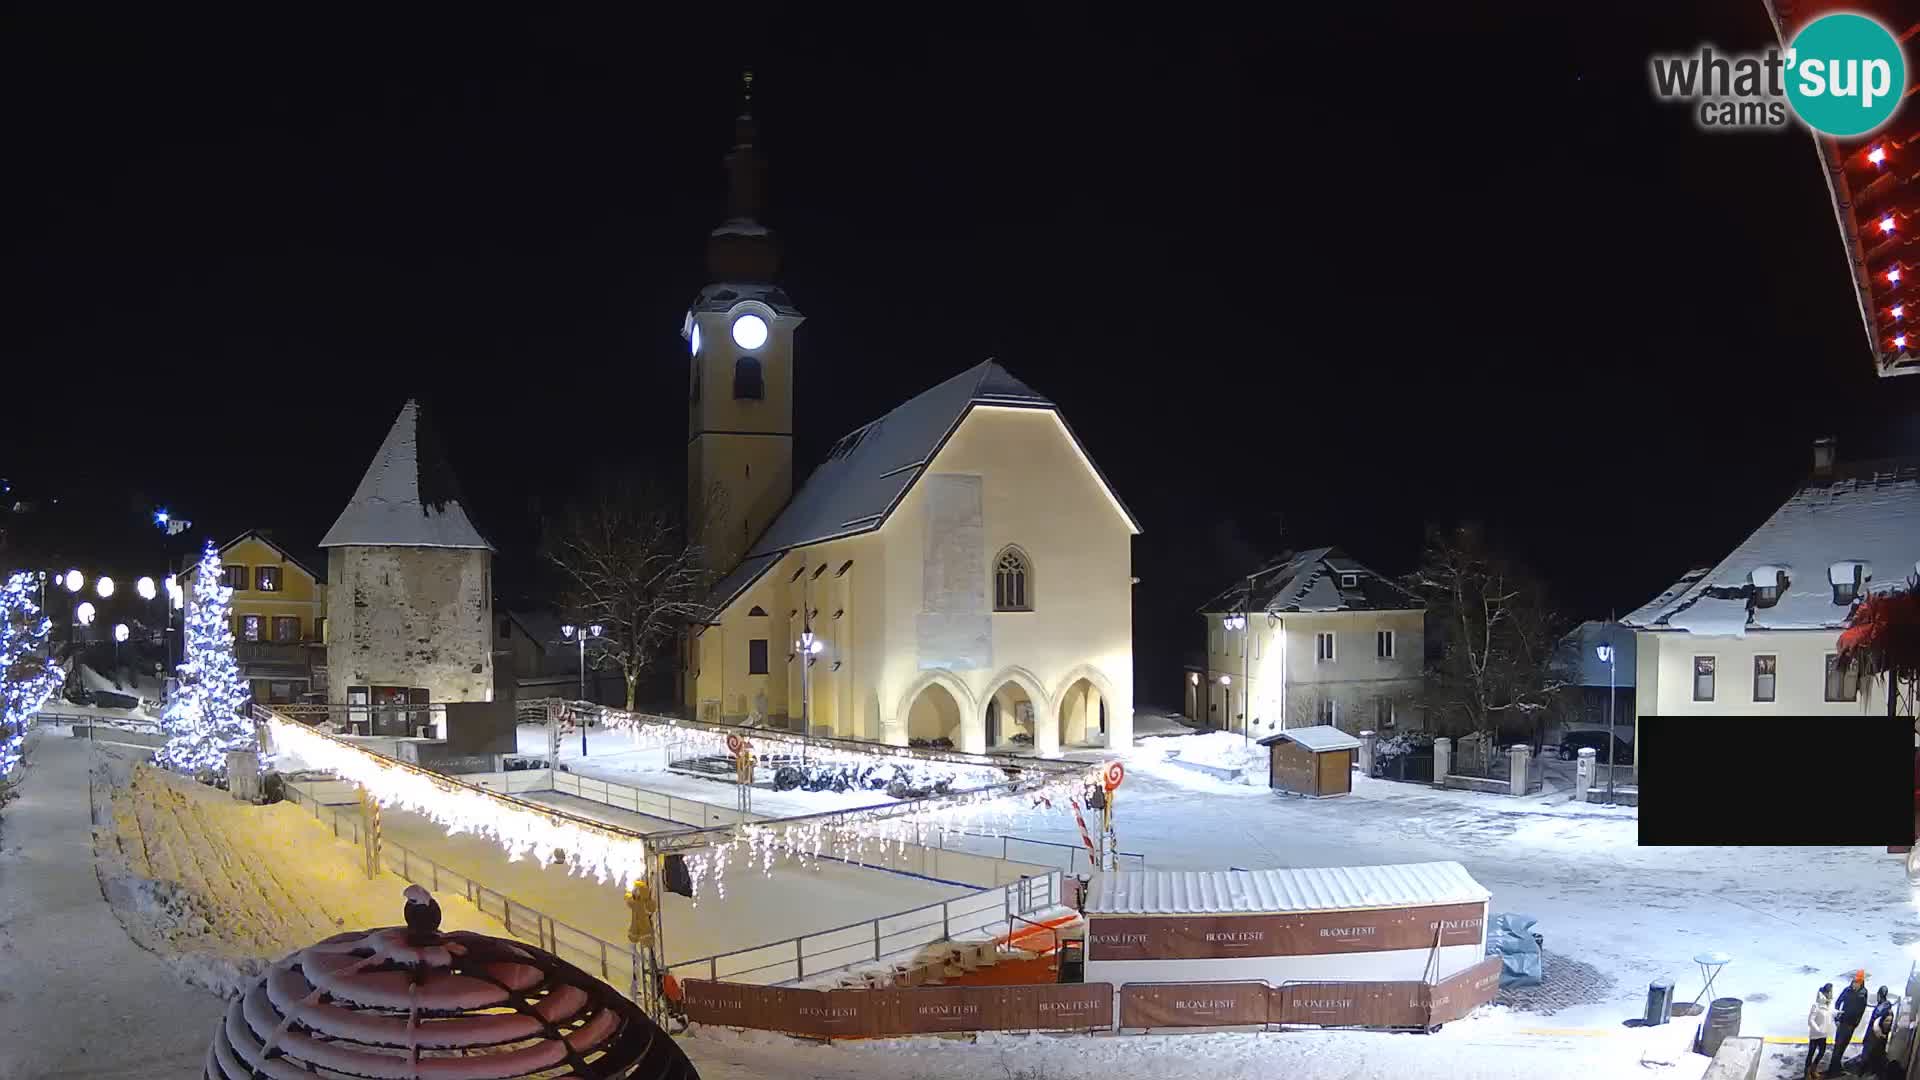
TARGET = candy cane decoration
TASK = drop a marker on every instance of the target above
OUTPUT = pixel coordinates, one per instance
(1085, 837)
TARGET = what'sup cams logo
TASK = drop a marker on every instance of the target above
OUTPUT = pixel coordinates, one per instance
(1842, 75)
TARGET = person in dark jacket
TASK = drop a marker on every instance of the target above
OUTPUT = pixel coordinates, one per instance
(1848, 1008)
(1879, 1030)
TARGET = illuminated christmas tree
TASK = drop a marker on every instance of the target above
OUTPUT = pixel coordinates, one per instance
(206, 716)
(27, 675)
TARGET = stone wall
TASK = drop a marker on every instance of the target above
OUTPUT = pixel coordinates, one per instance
(410, 616)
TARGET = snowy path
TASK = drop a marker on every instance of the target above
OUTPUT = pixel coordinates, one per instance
(77, 996)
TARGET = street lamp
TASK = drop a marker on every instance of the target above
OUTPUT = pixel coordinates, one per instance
(105, 587)
(145, 588)
(581, 634)
(809, 647)
(1605, 652)
(84, 613)
(74, 580)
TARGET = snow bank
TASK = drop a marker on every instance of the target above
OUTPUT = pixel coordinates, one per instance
(219, 889)
(1226, 761)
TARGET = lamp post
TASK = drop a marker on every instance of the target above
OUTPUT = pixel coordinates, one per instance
(1605, 652)
(1239, 623)
(581, 634)
(808, 647)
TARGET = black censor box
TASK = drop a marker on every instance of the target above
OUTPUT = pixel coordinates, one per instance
(1809, 781)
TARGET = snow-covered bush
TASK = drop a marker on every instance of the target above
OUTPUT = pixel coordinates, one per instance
(1394, 746)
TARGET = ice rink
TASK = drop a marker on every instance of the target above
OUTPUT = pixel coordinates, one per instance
(757, 908)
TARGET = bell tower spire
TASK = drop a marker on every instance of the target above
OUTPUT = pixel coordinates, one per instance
(740, 398)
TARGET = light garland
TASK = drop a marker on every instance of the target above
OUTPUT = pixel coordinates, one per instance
(27, 677)
(608, 854)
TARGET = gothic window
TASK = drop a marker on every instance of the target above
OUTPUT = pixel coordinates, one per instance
(747, 382)
(1012, 581)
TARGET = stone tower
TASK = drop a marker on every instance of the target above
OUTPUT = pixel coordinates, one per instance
(409, 582)
(740, 396)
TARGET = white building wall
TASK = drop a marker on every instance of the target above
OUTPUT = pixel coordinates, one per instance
(1282, 677)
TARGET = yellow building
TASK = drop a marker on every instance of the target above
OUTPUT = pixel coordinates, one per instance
(956, 570)
(279, 617)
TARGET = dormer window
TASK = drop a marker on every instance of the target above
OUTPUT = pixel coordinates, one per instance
(1768, 582)
(818, 572)
(844, 567)
(797, 573)
(1847, 579)
(1349, 581)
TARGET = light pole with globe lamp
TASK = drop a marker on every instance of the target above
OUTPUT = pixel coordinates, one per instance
(808, 647)
(1606, 654)
(581, 634)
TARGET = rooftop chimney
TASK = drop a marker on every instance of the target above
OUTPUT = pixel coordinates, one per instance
(1823, 449)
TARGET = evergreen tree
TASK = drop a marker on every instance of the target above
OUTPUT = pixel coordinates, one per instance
(27, 675)
(206, 716)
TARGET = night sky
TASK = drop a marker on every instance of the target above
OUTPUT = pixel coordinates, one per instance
(1293, 285)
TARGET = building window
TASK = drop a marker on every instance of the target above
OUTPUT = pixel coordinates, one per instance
(266, 578)
(320, 629)
(286, 629)
(1383, 644)
(693, 395)
(1703, 678)
(1348, 581)
(1763, 677)
(1012, 581)
(1847, 591)
(1323, 647)
(844, 567)
(1213, 637)
(757, 612)
(1383, 712)
(757, 656)
(1842, 685)
(250, 627)
(1328, 712)
(234, 577)
(747, 382)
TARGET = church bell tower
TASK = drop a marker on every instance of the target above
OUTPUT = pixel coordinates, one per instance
(740, 396)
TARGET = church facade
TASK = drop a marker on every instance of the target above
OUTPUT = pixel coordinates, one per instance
(957, 572)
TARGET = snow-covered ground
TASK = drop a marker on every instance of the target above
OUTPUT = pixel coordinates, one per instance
(1483, 1048)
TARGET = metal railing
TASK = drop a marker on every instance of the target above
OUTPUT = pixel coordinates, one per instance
(675, 808)
(873, 940)
(617, 964)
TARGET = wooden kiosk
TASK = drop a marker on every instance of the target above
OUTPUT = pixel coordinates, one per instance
(1314, 761)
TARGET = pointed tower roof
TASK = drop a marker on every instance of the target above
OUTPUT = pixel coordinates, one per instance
(408, 497)
(742, 249)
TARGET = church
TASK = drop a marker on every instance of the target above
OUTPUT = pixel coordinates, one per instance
(956, 573)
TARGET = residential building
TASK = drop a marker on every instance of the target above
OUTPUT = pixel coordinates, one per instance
(1757, 632)
(1312, 637)
(409, 581)
(960, 567)
(545, 663)
(279, 617)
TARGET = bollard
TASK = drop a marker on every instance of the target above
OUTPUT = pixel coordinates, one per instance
(1517, 758)
(1442, 761)
(1659, 1002)
(1366, 753)
(1583, 774)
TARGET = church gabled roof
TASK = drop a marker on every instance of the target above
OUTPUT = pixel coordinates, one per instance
(408, 497)
(871, 469)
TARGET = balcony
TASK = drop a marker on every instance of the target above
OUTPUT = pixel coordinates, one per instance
(266, 652)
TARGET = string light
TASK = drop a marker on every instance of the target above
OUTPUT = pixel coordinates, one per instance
(609, 854)
(27, 677)
(204, 718)
(1886, 224)
(1899, 310)
(1893, 276)
(1877, 155)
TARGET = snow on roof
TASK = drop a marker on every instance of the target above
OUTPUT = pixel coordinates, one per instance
(741, 227)
(721, 296)
(1336, 888)
(1318, 738)
(407, 498)
(870, 469)
(1310, 580)
(1869, 513)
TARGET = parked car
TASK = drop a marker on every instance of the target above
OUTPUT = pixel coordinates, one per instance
(1575, 741)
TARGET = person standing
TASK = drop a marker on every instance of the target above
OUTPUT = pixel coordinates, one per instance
(1848, 1010)
(1879, 1030)
(1819, 1027)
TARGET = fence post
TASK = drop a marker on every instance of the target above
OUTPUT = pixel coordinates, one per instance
(799, 960)
(876, 939)
(946, 922)
(603, 958)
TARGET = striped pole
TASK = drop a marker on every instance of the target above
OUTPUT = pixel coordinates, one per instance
(1085, 837)
(370, 827)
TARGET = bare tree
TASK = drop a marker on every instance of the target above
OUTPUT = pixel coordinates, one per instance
(1496, 635)
(627, 563)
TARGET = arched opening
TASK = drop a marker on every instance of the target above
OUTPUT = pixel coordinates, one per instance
(1010, 717)
(1083, 715)
(747, 381)
(934, 716)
